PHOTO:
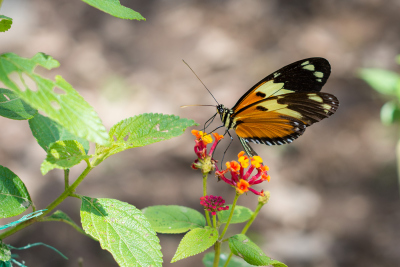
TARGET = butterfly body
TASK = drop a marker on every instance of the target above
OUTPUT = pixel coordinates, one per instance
(278, 109)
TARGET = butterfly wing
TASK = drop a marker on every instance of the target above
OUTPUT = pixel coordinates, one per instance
(280, 119)
(307, 75)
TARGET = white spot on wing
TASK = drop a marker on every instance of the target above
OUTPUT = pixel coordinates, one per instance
(309, 67)
(318, 74)
(305, 63)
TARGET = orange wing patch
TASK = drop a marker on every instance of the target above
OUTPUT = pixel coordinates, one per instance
(270, 129)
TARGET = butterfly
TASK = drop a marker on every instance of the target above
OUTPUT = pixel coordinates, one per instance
(277, 109)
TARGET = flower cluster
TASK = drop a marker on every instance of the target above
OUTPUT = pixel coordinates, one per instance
(213, 204)
(242, 180)
(204, 160)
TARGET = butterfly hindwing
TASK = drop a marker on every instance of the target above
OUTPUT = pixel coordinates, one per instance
(307, 75)
(281, 119)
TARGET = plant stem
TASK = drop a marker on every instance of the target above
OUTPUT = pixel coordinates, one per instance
(70, 190)
(230, 216)
(214, 221)
(66, 179)
(262, 200)
(217, 248)
(217, 245)
(205, 175)
(252, 218)
(67, 192)
(76, 227)
(228, 259)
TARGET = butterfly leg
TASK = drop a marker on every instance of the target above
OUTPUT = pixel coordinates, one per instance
(227, 132)
(209, 120)
(217, 129)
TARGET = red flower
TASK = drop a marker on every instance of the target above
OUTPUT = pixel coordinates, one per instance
(213, 204)
(204, 160)
(242, 180)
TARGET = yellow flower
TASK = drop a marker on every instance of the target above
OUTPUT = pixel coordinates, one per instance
(202, 136)
(243, 159)
(256, 161)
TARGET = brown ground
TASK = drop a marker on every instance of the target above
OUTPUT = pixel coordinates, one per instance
(335, 199)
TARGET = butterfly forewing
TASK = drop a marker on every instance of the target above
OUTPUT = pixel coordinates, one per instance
(307, 75)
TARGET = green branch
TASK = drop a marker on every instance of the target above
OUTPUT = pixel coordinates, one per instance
(69, 191)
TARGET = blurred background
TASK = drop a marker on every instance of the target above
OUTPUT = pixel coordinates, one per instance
(334, 191)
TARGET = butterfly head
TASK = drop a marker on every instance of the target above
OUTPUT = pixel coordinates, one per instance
(225, 114)
(221, 109)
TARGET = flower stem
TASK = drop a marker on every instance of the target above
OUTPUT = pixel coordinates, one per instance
(214, 221)
(217, 245)
(70, 190)
(252, 218)
(230, 216)
(205, 175)
(228, 259)
(217, 248)
(261, 202)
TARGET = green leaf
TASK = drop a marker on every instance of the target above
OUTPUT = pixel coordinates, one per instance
(390, 113)
(13, 107)
(142, 130)
(47, 131)
(63, 155)
(121, 229)
(243, 247)
(14, 197)
(240, 214)
(114, 8)
(5, 264)
(208, 261)
(5, 253)
(195, 242)
(5, 23)
(383, 81)
(173, 219)
(58, 99)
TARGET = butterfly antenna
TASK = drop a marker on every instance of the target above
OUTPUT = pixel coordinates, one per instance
(200, 80)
